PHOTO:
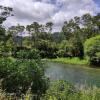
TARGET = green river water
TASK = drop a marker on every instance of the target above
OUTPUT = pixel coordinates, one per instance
(76, 74)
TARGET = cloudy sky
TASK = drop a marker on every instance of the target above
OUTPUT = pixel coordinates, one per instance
(57, 11)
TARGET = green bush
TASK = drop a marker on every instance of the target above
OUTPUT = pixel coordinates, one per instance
(5, 67)
(60, 53)
(92, 50)
(62, 90)
(59, 90)
(22, 75)
(47, 49)
(27, 54)
(76, 48)
(72, 48)
(63, 49)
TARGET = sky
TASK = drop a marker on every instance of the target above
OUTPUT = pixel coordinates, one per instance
(42, 11)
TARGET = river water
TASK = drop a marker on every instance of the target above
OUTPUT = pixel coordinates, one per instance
(76, 74)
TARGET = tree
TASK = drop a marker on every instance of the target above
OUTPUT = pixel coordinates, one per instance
(14, 30)
(38, 32)
(70, 27)
(92, 50)
(34, 30)
(76, 49)
(49, 27)
(90, 26)
(63, 48)
(4, 13)
(47, 48)
(96, 22)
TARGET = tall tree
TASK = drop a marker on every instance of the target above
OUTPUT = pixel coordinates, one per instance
(96, 22)
(14, 30)
(70, 27)
(4, 13)
(49, 26)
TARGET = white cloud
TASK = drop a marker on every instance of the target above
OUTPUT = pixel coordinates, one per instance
(71, 8)
(26, 12)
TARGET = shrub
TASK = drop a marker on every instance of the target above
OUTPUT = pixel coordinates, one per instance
(61, 53)
(59, 90)
(63, 90)
(72, 48)
(76, 48)
(47, 49)
(27, 54)
(64, 49)
(5, 67)
(92, 50)
(19, 76)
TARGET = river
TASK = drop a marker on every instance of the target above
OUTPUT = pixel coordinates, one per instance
(76, 74)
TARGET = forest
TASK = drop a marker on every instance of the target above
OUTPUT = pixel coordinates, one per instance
(22, 57)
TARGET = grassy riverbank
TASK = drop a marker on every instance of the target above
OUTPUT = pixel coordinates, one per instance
(55, 93)
(75, 60)
(71, 93)
(90, 94)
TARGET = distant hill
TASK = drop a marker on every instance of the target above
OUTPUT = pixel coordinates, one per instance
(58, 37)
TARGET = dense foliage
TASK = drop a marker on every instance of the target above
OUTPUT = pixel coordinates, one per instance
(27, 54)
(92, 49)
(59, 90)
(62, 90)
(67, 43)
(20, 75)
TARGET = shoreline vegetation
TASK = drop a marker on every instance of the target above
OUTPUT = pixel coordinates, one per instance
(56, 92)
(84, 63)
(73, 61)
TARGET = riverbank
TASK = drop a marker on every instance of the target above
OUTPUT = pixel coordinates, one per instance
(70, 92)
(54, 93)
(75, 61)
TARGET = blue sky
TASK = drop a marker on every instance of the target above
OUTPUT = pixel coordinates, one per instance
(97, 2)
(57, 11)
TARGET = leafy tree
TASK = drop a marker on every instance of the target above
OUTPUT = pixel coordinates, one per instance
(47, 48)
(92, 49)
(14, 30)
(49, 27)
(4, 13)
(34, 30)
(77, 49)
(63, 48)
(96, 22)
(70, 28)
(90, 26)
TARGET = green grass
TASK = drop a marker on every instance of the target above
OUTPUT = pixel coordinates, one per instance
(62, 90)
(74, 60)
(90, 94)
(81, 94)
